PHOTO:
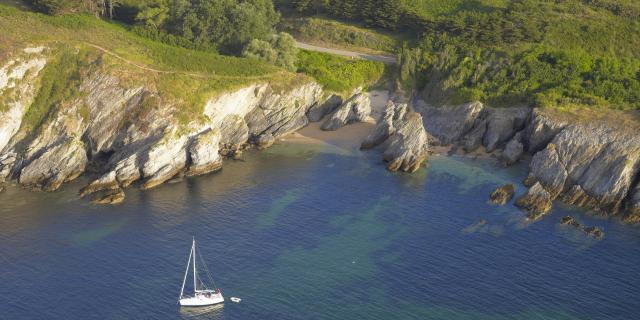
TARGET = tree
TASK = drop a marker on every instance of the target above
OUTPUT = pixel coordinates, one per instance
(280, 49)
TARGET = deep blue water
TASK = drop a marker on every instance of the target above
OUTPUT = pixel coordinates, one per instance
(313, 232)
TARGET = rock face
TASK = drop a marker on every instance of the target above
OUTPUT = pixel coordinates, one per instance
(402, 135)
(449, 124)
(513, 150)
(537, 201)
(596, 165)
(355, 109)
(503, 194)
(203, 153)
(591, 164)
(125, 131)
(319, 110)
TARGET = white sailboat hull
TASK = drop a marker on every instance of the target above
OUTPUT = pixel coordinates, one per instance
(202, 300)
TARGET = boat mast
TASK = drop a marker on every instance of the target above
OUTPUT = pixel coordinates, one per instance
(195, 288)
(184, 280)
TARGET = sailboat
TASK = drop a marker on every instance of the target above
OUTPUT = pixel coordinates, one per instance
(202, 294)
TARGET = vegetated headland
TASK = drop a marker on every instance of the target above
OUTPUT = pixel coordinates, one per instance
(140, 92)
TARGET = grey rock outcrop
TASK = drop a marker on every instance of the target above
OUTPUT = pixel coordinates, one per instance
(540, 130)
(537, 201)
(355, 109)
(602, 161)
(546, 168)
(401, 133)
(203, 153)
(450, 123)
(383, 129)
(513, 150)
(502, 124)
(321, 109)
(407, 148)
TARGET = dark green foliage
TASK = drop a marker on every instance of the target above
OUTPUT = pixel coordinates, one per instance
(223, 25)
(540, 76)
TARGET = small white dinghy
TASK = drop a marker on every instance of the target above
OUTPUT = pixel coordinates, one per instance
(202, 294)
(235, 299)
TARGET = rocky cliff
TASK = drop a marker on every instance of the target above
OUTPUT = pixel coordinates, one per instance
(125, 131)
(592, 163)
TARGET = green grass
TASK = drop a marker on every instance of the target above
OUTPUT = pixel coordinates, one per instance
(21, 28)
(59, 83)
(338, 74)
(183, 77)
(435, 8)
(330, 33)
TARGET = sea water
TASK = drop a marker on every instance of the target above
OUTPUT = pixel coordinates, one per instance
(314, 231)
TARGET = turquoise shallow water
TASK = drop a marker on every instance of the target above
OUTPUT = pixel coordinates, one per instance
(314, 232)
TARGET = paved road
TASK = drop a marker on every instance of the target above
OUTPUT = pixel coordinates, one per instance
(352, 54)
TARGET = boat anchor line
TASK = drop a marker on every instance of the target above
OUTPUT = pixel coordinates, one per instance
(202, 295)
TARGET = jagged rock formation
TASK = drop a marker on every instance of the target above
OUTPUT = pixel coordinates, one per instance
(513, 150)
(502, 194)
(591, 164)
(319, 110)
(537, 201)
(404, 139)
(355, 109)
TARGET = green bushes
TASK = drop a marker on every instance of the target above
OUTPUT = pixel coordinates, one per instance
(225, 25)
(540, 76)
(339, 74)
(279, 50)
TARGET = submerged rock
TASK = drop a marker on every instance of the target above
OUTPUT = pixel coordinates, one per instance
(503, 194)
(595, 232)
(108, 196)
(570, 221)
(475, 227)
(537, 201)
(356, 109)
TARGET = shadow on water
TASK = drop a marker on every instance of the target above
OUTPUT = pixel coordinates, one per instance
(214, 312)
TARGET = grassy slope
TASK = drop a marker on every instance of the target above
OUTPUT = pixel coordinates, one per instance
(334, 34)
(186, 76)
